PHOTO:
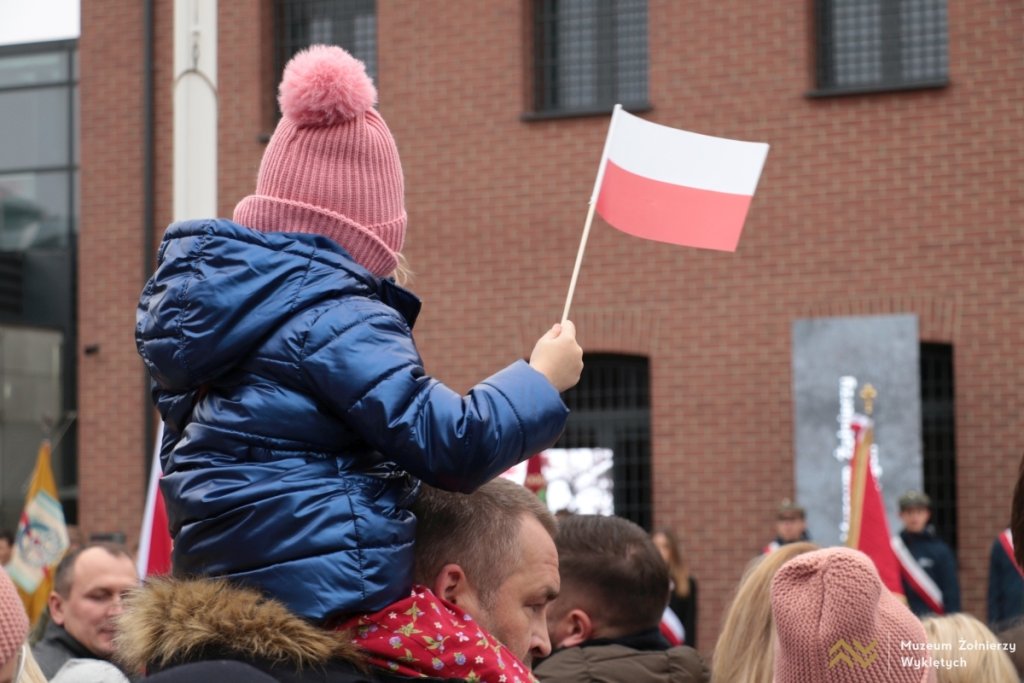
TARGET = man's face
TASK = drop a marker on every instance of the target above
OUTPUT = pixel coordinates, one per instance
(98, 582)
(790, 528)
(5, 551)
(516, 613)
(915, 519)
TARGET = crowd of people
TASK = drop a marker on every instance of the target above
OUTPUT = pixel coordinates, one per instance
(337, 513)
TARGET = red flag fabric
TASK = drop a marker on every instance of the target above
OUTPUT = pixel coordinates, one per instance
(155, 543)
(868, 527)
(671, 185)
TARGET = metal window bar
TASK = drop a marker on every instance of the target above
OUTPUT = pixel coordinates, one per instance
(881, 44)
(938, 432)
(351, 24)
(611, 409)
(589, 54)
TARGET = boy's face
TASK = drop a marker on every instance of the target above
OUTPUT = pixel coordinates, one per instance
(915, 519)
(790, 527)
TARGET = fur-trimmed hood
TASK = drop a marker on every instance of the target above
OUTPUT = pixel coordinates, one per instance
(172, 621)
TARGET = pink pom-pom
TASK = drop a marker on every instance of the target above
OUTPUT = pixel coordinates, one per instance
(324, 85)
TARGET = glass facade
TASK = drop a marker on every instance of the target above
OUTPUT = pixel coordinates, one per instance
(38, 224)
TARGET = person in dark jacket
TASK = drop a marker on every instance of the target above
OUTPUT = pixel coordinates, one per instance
(927, 564)
(299, 420)
(604, 623)
(1005, 584)
(86, 600)
(477, 612)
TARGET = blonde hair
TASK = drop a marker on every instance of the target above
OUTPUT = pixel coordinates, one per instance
(30, 673)
(746, 646)
(990, 666)
(402, 273)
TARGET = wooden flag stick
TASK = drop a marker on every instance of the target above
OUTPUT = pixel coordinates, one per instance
(590, 212)
(579, 260)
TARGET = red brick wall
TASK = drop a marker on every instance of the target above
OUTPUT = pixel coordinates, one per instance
(900, 202)
(111, 399)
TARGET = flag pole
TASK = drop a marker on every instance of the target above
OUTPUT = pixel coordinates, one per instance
(590, 213)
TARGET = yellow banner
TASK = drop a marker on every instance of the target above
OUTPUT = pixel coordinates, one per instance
(42, 538)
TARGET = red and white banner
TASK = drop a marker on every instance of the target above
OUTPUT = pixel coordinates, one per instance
(154, 538)
(917, 578)
(671, 185)
(868, 528)
(1006, 540)
(672, 628)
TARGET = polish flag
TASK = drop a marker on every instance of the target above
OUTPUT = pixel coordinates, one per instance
(674, 186)
(868, 528)
(155, 543)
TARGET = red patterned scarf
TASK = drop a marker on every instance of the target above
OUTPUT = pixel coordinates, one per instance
(424, 635)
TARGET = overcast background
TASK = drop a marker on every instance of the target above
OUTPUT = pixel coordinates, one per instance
(31, 21)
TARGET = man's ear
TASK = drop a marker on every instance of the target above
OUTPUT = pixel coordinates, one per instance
(451, 584)
(56, 604)
(577, 627)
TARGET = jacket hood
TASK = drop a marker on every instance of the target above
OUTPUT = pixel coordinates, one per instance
(172, 621)
(220, 288)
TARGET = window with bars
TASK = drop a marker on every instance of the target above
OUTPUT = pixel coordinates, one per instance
(589, 55)
(939, 437)
(869, 45)
(351, 24)
(611, 409)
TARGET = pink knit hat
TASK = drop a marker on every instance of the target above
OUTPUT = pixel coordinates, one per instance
(13, 620)
(836, 622)
(331, 167)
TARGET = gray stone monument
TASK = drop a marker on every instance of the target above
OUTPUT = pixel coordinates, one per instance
(833, 359)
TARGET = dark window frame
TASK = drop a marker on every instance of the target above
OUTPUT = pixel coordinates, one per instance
(888, 53)
(938, 436)
(293, 31)
(611, 408)
(548, 93)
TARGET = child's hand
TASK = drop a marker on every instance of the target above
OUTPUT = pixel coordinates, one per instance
(558, 357)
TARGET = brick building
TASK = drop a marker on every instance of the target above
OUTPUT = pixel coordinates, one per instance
(893, 186)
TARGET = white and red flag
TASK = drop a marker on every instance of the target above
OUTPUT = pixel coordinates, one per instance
(868, 528)
(671, 185)
(154, 538)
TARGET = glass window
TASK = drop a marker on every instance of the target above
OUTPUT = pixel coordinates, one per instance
(33, 69)
(352, 24)
(611, 424)
(938, 435)
(881, 44)
(34, 210)
(30, 391)
(35, 132)
(589, 55)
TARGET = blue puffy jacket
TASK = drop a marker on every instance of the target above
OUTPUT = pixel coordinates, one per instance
(298, 417)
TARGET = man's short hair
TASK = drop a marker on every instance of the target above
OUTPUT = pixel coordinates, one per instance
(789, 510)
(7, 535)
(913, 500)
(477, 531)
(611, 569)
(63, 577)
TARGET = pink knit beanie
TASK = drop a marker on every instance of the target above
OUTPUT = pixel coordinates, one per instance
(836, 622)
(331, 167)
(13, 620)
